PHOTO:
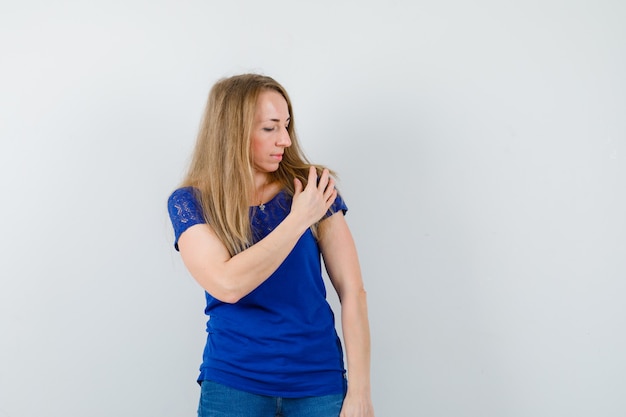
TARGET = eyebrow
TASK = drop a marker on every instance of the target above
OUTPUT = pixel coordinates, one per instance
(278, 120)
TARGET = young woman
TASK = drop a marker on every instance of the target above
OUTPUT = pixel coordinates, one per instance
(251, 220)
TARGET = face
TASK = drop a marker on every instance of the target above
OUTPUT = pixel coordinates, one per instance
(269, 136)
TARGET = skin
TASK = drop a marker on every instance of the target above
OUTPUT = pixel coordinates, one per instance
(269, 137)
(231, 278)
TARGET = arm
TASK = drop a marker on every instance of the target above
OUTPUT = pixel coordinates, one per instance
(231, 278)
(342, 265)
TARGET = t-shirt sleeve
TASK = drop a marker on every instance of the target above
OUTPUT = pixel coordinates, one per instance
(338, 205)
(185, 211)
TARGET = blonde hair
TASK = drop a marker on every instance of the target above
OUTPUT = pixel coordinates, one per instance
(221, 167)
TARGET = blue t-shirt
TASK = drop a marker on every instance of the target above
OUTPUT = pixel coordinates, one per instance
(279, 340)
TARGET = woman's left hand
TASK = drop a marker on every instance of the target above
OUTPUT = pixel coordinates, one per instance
(357, 406)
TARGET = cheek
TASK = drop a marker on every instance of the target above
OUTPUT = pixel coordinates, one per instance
(258, 145)
(256, 148)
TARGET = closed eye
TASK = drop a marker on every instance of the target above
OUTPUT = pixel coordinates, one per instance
(270, 129)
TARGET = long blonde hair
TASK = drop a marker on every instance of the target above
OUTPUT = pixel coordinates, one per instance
(221, 166)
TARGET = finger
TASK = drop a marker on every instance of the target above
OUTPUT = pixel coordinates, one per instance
(297, 185)
(330, 189)
(312, 177)
(323, 180)
(331, 198)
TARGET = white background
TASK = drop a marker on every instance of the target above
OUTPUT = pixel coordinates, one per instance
(480, 147)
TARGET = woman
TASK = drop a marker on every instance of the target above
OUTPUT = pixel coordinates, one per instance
(251, 220)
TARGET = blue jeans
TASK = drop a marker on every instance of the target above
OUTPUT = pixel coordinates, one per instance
(217, 400)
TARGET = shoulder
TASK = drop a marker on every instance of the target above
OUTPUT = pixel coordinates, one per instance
(184, 204)
(185, 210)
(183, 194)
(182, 198)
(339, 205)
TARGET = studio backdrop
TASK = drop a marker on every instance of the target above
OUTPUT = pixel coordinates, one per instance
(480, 148)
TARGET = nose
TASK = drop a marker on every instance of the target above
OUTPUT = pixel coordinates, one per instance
(284, 139)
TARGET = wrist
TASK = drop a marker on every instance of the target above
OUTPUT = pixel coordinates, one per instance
(359, 388)
(294, 223)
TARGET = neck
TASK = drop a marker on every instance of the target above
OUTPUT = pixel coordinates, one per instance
(261, 181)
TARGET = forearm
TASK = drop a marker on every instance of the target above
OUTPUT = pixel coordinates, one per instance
(230, 278)
(245, 271)
(356, 336)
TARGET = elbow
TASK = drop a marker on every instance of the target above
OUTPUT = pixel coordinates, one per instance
(225, 295)
(228, 294)
(358, 295)
(362, 295)
(221, 291)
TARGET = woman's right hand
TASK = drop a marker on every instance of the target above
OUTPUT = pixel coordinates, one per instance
(230, 278)
(310, 203)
